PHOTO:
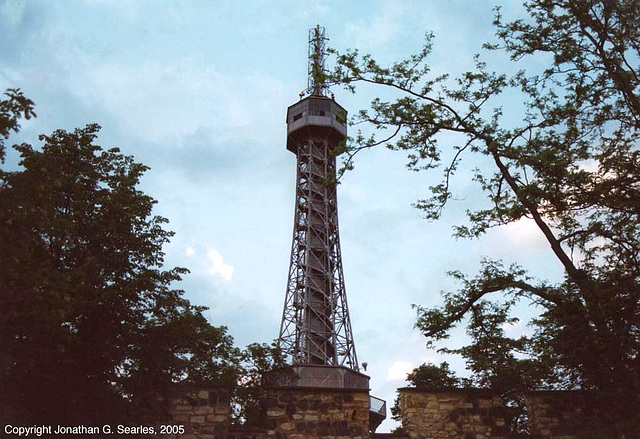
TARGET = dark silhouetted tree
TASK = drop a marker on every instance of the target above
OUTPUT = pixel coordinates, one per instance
(249, 401)
(91, 327)
(557, 143)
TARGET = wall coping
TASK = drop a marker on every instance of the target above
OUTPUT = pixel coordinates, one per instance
(319, 389)
(491, 392)
(560, 392)
(180, 390)
(460, 390)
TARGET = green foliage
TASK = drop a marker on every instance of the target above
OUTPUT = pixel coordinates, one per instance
(91, 328)
(571, 164)
(250, 396)
(11, 111)
(428, 376)
(431, 377)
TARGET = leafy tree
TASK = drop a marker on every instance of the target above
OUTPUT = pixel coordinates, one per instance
(429, 377)
(571, 164)
(91, 329)
(11, 111)
(250, 397)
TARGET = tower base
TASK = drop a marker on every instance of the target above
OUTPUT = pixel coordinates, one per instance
(309, 375)
(317, 412)
(301, 396)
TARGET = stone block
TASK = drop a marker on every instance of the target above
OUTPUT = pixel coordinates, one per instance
(203, 410)
(180, 418)
(217, 419)
(197, 419)
(288, 426)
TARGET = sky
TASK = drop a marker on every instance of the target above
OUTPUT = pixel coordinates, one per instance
(198, 91)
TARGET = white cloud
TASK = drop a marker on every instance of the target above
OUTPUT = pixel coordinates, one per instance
(190, 251)
(216, 266)
(399, 370)
(590, 165)
(511, 328)
(523, 233)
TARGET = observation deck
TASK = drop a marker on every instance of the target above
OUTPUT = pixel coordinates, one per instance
(315, 115)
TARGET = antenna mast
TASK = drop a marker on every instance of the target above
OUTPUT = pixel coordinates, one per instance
(316, 85)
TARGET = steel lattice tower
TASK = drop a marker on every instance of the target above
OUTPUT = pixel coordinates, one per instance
(315, 328)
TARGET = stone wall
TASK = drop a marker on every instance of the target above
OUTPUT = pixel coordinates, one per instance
(452, 414)
(204, 413)
(566, 415)
(304, 412)
(298, 413)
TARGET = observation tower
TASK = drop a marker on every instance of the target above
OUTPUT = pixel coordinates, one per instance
(315, 332)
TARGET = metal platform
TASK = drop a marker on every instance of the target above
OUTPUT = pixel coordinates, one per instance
(310, 375)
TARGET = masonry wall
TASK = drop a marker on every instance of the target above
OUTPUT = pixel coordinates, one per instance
(204, 413)
(299, 413)
(452, 414)
(566, 415)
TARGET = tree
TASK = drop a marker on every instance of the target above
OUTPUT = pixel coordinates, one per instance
(92, 329)
(250, 397)
(428, 376)
(11, 111)
(432, 377)
(571, 164)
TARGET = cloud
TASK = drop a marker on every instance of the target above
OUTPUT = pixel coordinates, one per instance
(590, 165)
(523, 233)
(13, 12)
(216, 266)
(371, 34)
(380, 27)
(190, 251)
(20, 22)
(399, 370)
(164, 102)
(313, 11)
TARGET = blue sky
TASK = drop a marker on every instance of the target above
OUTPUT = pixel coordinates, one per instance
(198, 91)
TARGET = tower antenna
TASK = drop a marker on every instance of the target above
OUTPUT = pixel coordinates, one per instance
(316, 83)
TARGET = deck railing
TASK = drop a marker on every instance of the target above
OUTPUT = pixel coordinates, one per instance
(377, 405)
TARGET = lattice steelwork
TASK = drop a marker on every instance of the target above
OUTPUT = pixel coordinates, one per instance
(316, 71)
(315, 328)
